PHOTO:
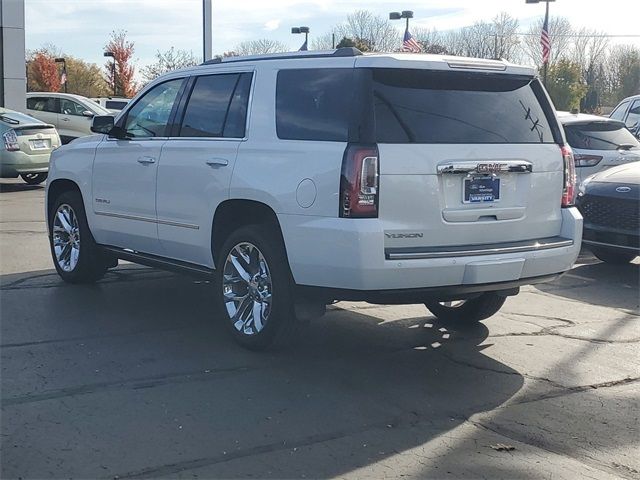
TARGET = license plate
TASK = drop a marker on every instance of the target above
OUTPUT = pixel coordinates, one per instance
(481, 190)
(39, 144)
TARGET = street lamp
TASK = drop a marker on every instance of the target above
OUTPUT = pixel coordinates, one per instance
(113, 71)
(304, 30)
(407, 14)
(63, 77)
(545, 29)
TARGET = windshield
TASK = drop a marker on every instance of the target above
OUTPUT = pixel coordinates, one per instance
(599, 136)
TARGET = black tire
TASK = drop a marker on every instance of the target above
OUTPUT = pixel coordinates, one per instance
(33, 178)
(277, 324)
(91, 262)
(469, 311)
(613, 256)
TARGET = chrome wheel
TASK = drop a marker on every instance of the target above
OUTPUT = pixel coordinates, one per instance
(66, 238)
(453, 303)
(247, 288)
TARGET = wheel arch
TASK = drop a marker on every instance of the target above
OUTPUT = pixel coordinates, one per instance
(234, 213)
(55, 189)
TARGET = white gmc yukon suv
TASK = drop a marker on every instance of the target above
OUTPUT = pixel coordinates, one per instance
(295, 180)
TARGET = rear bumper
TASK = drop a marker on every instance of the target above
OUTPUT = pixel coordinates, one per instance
(349, 254)
(13, 164)
(622, 240)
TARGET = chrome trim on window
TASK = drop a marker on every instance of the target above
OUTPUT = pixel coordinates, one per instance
(147, 219)
(487, 168)
(468, 251)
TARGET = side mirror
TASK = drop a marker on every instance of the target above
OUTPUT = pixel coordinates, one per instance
(88, 113)
(102, 123)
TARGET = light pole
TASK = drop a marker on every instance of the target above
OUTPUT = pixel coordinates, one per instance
(305, 30)
(407, 14)
(544, 37)
(113, 72)
(63, 77)
(207, 40)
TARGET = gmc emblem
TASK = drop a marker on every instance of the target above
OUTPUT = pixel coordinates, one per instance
(489, 167)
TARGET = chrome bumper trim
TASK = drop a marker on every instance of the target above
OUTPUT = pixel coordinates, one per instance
(469, 251)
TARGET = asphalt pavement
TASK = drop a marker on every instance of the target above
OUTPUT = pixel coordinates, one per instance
(133, 377)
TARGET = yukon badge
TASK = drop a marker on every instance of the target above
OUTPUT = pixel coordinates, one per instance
(404, 235)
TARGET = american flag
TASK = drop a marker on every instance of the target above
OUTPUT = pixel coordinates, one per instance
(63, 77)
(545, 41)
(409, 43)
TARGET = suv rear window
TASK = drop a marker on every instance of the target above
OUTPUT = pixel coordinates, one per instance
(599, 136)
(314, 104)
(422, 106)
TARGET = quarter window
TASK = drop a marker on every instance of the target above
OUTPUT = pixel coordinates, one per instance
(217, 106)
(314, 104)
(150, 114)
(618, 113)
(633, 116)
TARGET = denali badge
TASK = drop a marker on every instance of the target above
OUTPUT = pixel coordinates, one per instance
(102, 200)
(623, 189)
(403, 235)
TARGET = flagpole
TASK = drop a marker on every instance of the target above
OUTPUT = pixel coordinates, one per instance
(546, 64)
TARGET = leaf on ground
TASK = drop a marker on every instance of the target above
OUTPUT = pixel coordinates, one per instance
(501, 447)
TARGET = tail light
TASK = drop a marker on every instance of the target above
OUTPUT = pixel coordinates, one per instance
(569, 181)
(359, 190)
(583, 160)
(11, 141)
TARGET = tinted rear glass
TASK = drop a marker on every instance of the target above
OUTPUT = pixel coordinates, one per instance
(599, 136)
(421, 106)
(314, 104)
(115, 105)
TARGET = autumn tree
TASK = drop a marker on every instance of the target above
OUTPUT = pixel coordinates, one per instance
(168, 61)
(122, 50)
(358, 43)
(84, 78)
(42, 73)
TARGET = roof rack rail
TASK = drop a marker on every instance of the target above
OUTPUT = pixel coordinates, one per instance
(339, 52)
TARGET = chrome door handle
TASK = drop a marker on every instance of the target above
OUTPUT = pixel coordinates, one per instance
(64, 119)
(217, 162)
(485, 167)
(146, 160)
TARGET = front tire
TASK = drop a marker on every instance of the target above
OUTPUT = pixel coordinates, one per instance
(467, 311)
(33, 178)
(612, 256)
(75, 254)
(254, 288)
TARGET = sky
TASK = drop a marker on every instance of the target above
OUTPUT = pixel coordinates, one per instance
(81, 27)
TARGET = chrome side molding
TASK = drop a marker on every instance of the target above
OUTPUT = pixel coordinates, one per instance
(486, 168)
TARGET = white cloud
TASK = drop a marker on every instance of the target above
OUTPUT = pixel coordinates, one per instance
(272, 25)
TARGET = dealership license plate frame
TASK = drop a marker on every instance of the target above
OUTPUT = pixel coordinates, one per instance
(487, 186)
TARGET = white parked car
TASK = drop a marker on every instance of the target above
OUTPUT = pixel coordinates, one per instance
(293, 180)
(113, 104)
(70, 114)
(598, 143)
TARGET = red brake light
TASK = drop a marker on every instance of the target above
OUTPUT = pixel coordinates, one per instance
(359, 182)
(569, 182)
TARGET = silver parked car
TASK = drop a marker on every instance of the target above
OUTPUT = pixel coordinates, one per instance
(25, 146)
(628, 111)
(598, 143)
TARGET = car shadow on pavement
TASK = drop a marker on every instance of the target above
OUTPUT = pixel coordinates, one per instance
(19, 187)
(598, 283)
(134, 377)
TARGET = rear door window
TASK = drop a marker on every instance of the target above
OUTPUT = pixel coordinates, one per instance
(599, 136)
(217, 106)
(43, 104)
(314, 104)
(421, 106)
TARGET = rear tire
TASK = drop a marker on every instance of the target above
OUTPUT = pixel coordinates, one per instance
(33, 178)
(467, 311)
(253, 288)
(75, 254)
(612, 256)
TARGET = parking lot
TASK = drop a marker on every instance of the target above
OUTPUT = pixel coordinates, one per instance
(133, 377)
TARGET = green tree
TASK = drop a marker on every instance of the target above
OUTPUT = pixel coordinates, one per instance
(85, 78)
(565, 85)
(358, 43)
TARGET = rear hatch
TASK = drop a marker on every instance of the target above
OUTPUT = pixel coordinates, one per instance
(37, 139)
(601, 143)
(466, 158)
